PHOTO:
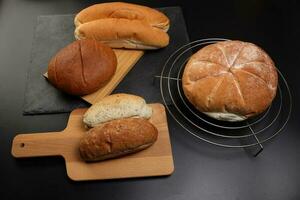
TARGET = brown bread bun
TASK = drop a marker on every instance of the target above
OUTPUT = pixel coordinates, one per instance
(117, 138)
(82, 67)
(230, 80)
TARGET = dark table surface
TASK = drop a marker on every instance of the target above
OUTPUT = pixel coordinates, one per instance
(202, 171)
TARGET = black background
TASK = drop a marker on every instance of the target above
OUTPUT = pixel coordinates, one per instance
(202, 171)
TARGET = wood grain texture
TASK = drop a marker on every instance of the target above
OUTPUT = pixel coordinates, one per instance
(157, 160)
(126, 60)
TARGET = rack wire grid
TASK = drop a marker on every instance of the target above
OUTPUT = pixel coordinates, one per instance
(252, 132)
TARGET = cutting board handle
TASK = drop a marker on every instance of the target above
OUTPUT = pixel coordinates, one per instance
(37, 144)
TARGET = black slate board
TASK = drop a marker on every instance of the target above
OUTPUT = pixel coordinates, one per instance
(56, 31)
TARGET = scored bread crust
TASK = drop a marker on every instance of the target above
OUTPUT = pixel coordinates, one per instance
(82, 67)
(117, 138)
(119, 33)
(114, 107)
(230, 80)
(123, 10)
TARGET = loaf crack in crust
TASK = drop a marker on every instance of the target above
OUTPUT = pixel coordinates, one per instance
(230, 80)
(82, 66)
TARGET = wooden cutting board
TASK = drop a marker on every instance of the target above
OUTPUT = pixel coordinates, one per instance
(157, 160)
(126, 60)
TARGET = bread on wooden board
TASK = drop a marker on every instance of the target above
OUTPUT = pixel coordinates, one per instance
(123, 25)
(117, 138)
(82, 67)
(230, 80)
(116, 106)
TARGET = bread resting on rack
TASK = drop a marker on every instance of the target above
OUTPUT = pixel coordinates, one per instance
(230, 80)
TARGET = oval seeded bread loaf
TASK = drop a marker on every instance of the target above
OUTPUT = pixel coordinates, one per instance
(117, 138)
(116, 106)
(230, 80)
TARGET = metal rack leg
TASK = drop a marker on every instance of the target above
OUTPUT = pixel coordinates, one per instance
(258, 142)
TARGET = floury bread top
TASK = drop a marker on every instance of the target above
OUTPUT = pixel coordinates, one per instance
(230, 80)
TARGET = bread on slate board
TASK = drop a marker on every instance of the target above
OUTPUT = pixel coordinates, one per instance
(230, 80)
(123, 10)
(82, 67)
(119, 33)
(123, 25)
(116, 106)
(117, 138)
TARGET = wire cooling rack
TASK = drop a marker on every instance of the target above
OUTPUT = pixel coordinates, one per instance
(252, 132)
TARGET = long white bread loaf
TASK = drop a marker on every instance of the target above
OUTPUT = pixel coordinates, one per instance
(123, 25)
(123, 33)
(121, 10)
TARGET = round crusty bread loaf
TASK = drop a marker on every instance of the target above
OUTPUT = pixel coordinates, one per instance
(123, 10)
(116, 106)
(230, 80)
(123, 33)
(117, 138)
(82, 67)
